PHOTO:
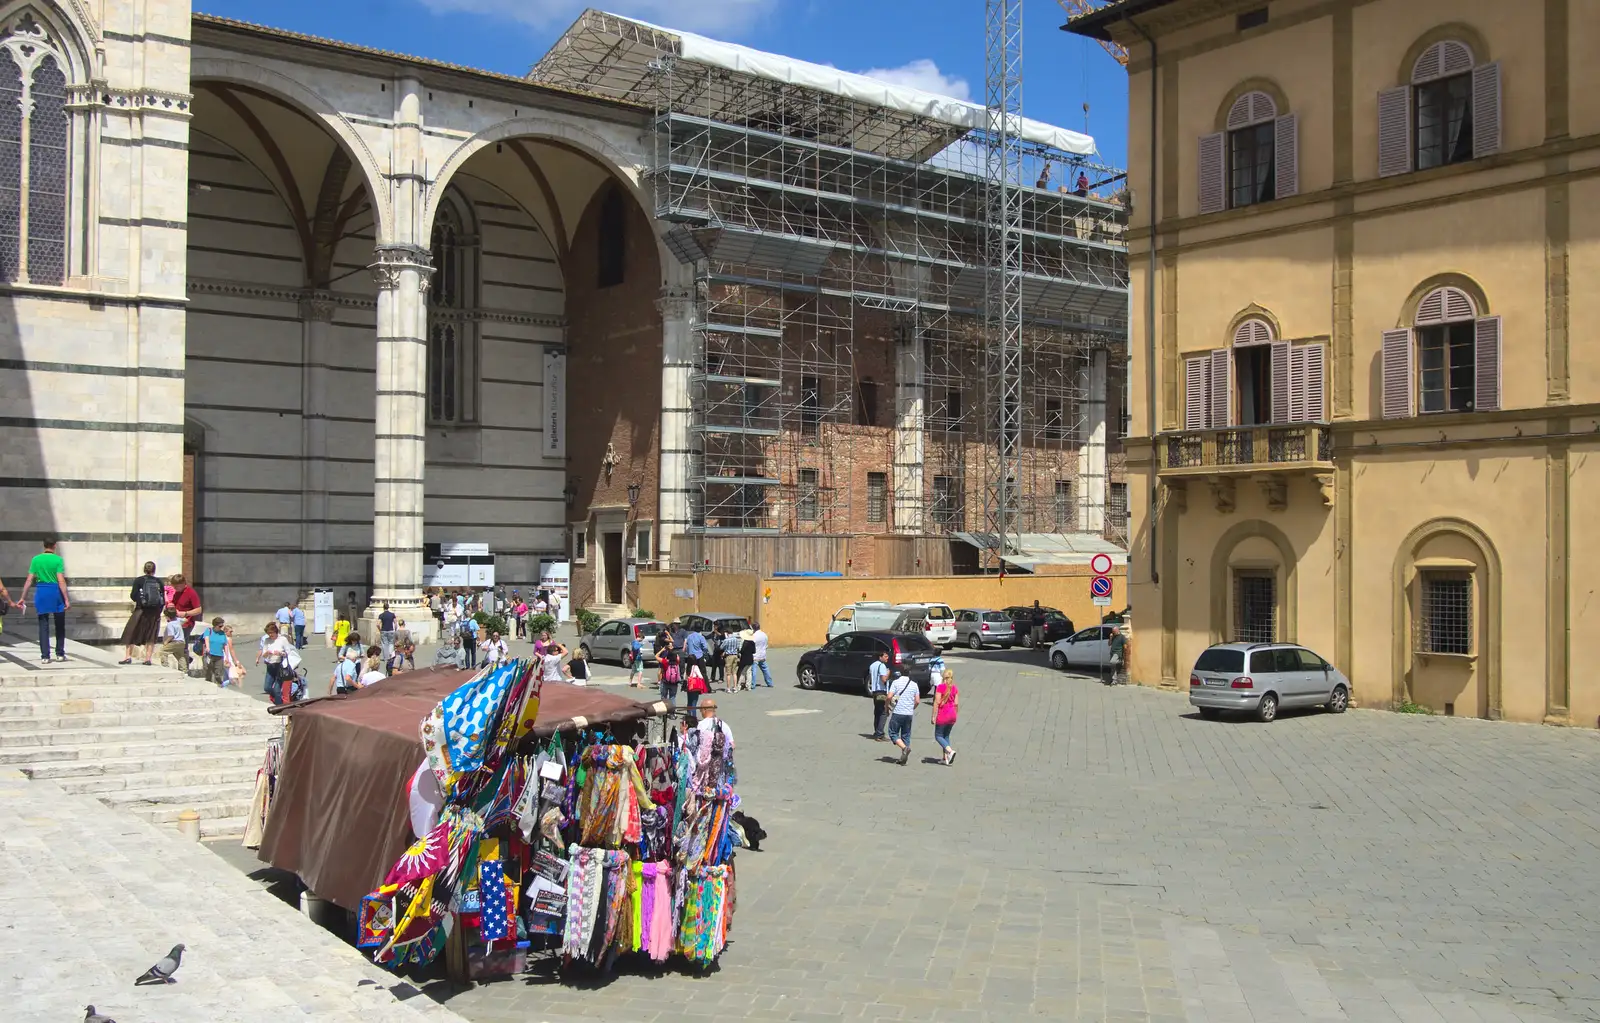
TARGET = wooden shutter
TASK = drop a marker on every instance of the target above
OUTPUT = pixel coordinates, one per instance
(1487, 390)
(1282, 382)
(1196, 383)
(1485, 109)
(1315, 384)
(1213, 173)
(1398, 379)
(1394, 131)
(1286, 143)
(1297, 385)
(1220, 390)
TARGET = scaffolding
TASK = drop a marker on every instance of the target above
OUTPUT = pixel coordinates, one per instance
(842, 371)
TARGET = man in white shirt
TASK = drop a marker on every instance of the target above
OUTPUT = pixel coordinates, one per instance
(760, 638)
(903, 697)
(710, 721)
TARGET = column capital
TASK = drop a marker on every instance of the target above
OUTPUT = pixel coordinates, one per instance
(317, 306)
(676, 303)
(390, 261)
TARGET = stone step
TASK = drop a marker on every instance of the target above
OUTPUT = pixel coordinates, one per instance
(168, 813)
(204, 713)
(243, 756)
(159, 703)
(95, 691)
(47, 679)
(120, 735)
(142, 747)
(223, 827)
(183, 774)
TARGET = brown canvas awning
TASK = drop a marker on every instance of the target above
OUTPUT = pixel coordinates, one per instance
(339, 815)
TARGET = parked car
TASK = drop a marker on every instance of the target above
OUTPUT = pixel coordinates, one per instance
(1056, 624)
(939, 622)
(978, 627)
(1086, 648)
(613, 640)
(845, 660)
(1259, 678)
(706, 622)
(865, 615)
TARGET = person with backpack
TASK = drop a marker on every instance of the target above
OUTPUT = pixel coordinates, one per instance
(144, 626)
(469, 640)
(216, 656)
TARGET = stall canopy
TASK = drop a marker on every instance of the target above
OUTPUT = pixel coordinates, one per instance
(339, 816)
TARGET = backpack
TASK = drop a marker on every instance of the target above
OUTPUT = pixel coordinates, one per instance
(151, 592)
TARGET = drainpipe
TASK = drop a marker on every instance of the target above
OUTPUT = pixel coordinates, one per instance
(1150, 289)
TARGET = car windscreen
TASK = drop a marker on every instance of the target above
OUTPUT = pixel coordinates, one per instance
(996, 616)
(1220, 659)
(940, 612)
(647, 628)
(733, 624)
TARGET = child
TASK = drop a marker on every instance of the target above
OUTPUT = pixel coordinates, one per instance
(636, 676)
(216, 653)
(341, 631)
(172, 640)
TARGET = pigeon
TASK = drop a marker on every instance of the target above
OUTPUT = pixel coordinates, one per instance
(161, 972)
(90, 1016)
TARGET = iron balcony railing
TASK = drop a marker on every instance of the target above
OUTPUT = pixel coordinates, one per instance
(1248, 448)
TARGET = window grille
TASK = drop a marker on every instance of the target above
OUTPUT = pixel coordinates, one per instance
(1255, 607)
(877, 497)
(948, 512)
(1066, 518)
(806, 506)
(1444, 624)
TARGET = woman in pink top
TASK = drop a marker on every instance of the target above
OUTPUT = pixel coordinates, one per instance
(946, 704)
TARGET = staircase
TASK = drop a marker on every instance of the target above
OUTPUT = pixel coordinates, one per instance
(150, 741)
(610, 611)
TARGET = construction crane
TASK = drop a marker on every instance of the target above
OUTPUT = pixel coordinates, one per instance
(1076, 8)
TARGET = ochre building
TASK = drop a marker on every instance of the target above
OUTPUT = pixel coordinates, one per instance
(1364, 417)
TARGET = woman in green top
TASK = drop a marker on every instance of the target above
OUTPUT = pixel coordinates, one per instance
(47, 573)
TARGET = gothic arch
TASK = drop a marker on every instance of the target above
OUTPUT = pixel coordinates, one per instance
(308, 102)
(71, 29)
(1474, 291)
(1489, 651)
(1288, 600)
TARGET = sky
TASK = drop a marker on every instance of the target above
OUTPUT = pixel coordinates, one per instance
(935, 45)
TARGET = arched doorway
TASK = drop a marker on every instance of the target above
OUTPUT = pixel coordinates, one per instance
(1447, 623)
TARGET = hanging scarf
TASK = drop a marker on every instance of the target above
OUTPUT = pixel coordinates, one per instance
(457, 735)
(704, 929)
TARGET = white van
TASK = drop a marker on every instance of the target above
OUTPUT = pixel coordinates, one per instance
(864, 616)
(940, 627)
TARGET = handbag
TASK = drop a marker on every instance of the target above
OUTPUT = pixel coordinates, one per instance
(696, 682)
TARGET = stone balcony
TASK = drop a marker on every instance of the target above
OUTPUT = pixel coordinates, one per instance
(1269, 454)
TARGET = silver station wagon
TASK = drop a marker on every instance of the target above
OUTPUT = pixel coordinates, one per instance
(1259, 678)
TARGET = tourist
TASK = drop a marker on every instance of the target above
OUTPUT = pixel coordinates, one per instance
(636, 668)
(346, 676)
(878, 687)
(550, 666)
(386, 631)
(667, 661)
(354, 647)
(372, 668)
(274, 653)
(216, 656)
(695, 650)
(187, 603)
(728, 650)
(760, 638)
(233, 668)
(469, 639)
(299, 627)
(494, 650)
(903, 696)
(450, 654)
(747, 659)
(713, 658)
(144, 625)
(1119, 654)
(710, 722)
(405, 648)
(1036, 622)
(47, 575)
(173, 644)
(521, 611)
(946, 705)
(541, 644)
(341, 631)
(578, 668)
(694, 682)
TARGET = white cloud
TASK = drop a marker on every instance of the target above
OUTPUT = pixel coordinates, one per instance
(705, 16)
(923, 74)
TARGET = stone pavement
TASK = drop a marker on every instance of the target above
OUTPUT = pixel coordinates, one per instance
(1100, 854)
(90, 897)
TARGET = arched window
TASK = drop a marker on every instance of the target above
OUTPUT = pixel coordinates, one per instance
(452, 320)
(35, 130)
(1258, 380)
(1255, 159)
(1448, 112)
(1447, 361)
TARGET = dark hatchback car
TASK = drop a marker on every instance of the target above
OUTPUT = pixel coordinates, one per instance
(846, 660)
(1056, 625)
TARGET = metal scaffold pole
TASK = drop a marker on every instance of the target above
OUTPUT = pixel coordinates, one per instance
(1003, 293)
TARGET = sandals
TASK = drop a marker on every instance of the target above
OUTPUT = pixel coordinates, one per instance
(128, 660)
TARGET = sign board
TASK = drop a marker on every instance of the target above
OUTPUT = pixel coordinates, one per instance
(554, 422)
(556, 576)
(1100, 564)
(1102, 602)
(458, 566)
(321, 612)
(1100, 586)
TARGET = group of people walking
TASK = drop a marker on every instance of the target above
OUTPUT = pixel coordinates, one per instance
(697, 663)
(47, 578)
(895, 698)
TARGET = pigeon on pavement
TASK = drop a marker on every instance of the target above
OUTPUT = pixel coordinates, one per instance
(161, 973)
(90, 1016)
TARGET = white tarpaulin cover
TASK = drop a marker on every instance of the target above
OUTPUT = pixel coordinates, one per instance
(773, 67)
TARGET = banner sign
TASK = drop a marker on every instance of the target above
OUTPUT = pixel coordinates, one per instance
(555, 404)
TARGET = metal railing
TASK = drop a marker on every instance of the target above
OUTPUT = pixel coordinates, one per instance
(1305, 444)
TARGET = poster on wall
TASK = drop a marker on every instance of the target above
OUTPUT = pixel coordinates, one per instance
(555, 404)
(556, 576)
(321, 612)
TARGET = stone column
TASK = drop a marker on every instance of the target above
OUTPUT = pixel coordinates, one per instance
(1092, 475)
(677, 363)
(402, 273)
(910, 383)
(316, 329)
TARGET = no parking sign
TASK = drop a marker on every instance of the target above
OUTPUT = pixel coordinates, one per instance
(1100, 585)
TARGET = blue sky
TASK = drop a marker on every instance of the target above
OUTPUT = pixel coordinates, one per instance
(932, 44)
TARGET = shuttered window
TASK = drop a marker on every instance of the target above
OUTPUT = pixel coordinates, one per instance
(1449, 362)
(1256, 159)
(1298, 386)
(1196, 391)
(1449, 112)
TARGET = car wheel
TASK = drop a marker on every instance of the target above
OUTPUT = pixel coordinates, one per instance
(583, 648)
(627, 659)
(974, 642)
(808, 677)
(1209, 713)
(1058, 661)
(1267, 709)
(1339, 701)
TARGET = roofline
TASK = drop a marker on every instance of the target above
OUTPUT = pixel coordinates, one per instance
(495, 82)
(1096, 24)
